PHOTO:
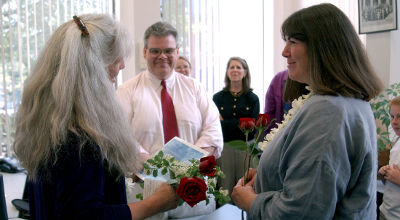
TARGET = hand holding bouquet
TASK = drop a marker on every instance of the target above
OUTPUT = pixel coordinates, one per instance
(195, 180)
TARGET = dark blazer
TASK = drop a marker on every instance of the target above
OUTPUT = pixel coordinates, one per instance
(232, 108)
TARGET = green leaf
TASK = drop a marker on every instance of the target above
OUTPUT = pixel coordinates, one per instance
(160, 154)
(386, 122)
(172, 174)
(141, 185)
(237, 144)
(150, 161)
(255, 151)
(164, 171)
(146, 166)
(256, 161)
(155, 173)
(139, 196)
(381, 144)
(165, 163)
(212, 184)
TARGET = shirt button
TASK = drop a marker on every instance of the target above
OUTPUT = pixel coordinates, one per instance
(234, 106)
(247, 108)
(234, 114)
(222, 108)
(234, 100)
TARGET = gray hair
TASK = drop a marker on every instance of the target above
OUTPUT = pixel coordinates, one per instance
(69, 90)
(160, 29)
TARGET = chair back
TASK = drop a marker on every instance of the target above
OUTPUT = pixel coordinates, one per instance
(3, 205)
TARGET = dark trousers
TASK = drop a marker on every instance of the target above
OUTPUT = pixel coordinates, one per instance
(379, 198)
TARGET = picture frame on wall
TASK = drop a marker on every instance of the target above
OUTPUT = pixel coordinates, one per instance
(377, 15)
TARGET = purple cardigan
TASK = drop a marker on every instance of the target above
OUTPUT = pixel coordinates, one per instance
(274, 98)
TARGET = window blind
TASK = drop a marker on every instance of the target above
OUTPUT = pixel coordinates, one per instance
(25, 26)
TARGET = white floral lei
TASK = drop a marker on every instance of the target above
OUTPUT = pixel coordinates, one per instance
(296, 105)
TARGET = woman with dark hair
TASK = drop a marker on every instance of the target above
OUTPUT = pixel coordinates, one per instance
(236, 100)
(322, 162)
(71, 133)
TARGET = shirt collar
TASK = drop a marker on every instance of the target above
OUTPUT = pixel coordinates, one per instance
(157, 83)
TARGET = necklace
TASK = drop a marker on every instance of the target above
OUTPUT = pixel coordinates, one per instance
(236, 94)
(296, 106)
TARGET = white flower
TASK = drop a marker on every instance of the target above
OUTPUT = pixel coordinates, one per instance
(296, 106)
(180, 168)
(211, 180)
(224, 192)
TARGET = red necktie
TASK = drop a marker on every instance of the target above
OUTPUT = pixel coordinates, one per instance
(170, 125)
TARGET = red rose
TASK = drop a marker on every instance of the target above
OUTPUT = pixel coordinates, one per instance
(207, 166)
(192, 190)
(262, 120)
(246, 124)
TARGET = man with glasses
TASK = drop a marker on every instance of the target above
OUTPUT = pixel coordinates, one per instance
(193, 117)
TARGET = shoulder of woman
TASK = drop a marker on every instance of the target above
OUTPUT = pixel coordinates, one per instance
(220, 93)
(252, 95)
(336, 107)
(81, 146)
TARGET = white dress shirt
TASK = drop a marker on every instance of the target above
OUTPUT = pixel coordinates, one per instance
(391, 196)
(197, 115)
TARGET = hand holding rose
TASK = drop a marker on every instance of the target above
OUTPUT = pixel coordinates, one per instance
(251, 177)
(243, 195)
(167, 196)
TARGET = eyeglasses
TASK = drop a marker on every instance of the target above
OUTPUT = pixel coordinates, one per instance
(158, 51)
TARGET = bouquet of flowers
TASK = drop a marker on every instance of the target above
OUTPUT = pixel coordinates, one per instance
(195, 180)
(247, 125)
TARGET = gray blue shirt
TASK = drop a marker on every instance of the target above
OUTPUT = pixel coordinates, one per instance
(322, 165)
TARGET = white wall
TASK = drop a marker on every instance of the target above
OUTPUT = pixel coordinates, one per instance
(378, 50)
(394, 76)
(384, 52)
(137, 16)
(282, 10)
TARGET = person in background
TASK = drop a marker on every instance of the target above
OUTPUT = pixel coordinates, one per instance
(71, 131)
(236, 100)
(322, 164)
(390, 208)
(194, 116)
(183, 66)
(276, 106)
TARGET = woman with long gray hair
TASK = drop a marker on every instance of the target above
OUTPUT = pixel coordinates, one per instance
(71, 134)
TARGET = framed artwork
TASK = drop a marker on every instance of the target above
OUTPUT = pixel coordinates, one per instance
(377, 15)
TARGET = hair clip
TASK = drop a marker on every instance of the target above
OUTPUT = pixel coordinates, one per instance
(81, 26)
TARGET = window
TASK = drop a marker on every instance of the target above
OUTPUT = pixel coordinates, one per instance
(212, 31)
(24, 28)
